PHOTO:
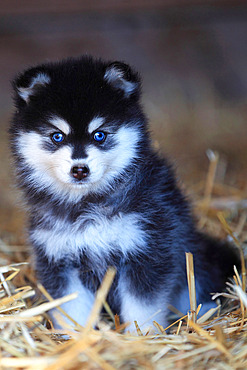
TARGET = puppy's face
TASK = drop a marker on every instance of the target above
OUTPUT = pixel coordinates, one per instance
(78, 126)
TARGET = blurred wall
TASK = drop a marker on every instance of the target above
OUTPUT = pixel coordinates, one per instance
(192, 56)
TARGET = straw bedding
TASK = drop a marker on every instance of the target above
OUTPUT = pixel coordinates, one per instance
(217, 340)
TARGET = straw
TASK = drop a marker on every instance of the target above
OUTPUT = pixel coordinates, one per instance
(191, 285)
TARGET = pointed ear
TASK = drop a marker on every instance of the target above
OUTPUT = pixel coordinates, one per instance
(122, 77)
(28, 83)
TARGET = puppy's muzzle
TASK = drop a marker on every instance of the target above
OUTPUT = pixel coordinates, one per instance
(80, 172)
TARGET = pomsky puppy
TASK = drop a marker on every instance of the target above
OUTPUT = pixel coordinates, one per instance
(98, 195)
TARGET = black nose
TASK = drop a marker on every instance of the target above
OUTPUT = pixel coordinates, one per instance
(80, 172)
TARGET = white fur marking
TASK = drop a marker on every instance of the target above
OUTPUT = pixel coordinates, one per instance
(79, 309)
(40, 79)
(60, 124)
(133, 309)
(99, 236)
(106, 166)
(51, 171)
(95, 124)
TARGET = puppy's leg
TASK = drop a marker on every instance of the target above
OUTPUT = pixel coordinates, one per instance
(61, 280)
(78, 309)
(143, 310)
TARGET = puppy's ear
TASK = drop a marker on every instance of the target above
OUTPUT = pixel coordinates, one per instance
(29, 83)
(120, 76)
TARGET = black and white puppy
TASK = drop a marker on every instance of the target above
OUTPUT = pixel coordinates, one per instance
(99, 196)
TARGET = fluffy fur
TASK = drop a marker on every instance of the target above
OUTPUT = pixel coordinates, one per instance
(123, 209)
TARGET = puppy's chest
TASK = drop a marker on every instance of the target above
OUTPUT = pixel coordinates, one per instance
(95, 234)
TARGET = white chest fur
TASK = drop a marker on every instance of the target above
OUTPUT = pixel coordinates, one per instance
(94, 232)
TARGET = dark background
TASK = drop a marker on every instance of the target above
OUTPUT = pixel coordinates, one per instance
(192, 56)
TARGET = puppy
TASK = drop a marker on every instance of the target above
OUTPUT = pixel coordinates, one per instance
(98, 195)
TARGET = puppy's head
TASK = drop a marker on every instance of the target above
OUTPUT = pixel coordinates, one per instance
(78, 126)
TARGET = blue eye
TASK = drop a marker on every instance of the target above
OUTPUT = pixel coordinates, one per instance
(57, 137)
(99, 136)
